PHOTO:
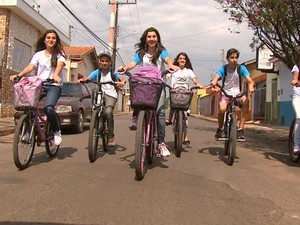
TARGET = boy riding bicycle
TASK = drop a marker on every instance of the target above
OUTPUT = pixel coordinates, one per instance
(231, 75)
(105, 74)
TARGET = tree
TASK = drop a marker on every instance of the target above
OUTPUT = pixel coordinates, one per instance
(276, 24)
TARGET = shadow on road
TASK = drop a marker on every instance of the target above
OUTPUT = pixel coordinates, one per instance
(34, 223)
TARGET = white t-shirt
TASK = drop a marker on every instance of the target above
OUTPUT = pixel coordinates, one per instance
(296, 90)
(43, 65)
(181, 78)
(108, 89)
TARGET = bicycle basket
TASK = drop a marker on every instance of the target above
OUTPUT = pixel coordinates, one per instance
(180, 98)
(27, 92)
(145, 92)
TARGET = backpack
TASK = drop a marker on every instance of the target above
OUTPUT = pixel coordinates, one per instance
(113, 78)
(238, 71)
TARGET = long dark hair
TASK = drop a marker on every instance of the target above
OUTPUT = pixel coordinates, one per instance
(40, 45)
(142, 46)
(188, 63)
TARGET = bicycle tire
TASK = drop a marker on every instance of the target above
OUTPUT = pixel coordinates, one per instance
(51, 148)
(150, 148)
(23, 149)
(230, 143)
(140, 146)
(178, 134)
(104, 132)
(94, 135)
(294, 157)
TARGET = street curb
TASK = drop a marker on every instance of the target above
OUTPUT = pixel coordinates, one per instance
(7, 131)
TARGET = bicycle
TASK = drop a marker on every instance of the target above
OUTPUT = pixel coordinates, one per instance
(230, 126)
(98, 123)
(180, 100)
(146, 132)
(32, 127)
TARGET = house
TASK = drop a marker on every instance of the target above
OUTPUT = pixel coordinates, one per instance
(81, 61)
(279, 109)
(20, 27)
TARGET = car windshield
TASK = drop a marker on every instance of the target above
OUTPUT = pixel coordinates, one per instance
(71, 90)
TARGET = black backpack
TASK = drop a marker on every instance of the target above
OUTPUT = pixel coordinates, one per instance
(113, 78)
(238, 71)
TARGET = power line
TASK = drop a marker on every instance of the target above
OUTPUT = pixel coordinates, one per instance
(106, 45)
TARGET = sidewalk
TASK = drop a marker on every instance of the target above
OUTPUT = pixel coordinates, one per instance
(7, 126)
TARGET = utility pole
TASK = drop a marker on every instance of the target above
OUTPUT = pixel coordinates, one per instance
(113, 27)
(68, 62)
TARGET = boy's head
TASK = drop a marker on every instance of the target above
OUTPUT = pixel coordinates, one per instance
(104, 60)
(232, 55)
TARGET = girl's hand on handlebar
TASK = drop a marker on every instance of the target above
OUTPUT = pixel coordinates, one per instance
(14, 77)
(173, 68)
(57, 79)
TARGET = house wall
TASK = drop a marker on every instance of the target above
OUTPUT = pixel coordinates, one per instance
(283, 114)
(12, 28)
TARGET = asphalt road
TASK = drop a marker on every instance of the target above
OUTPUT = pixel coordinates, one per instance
(199, 188)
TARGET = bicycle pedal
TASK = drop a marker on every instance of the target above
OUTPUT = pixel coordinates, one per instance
(241, 140)
(221, 139)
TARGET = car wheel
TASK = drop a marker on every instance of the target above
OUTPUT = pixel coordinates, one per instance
(80, 125)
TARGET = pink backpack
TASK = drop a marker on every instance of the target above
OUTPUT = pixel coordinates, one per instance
(145, 88)
(27, 92)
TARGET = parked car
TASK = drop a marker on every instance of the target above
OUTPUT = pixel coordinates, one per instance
(74, 106)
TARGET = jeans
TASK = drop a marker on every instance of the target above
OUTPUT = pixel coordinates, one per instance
(52, 96)
(161, 117)
(110, 103)
(296, 106)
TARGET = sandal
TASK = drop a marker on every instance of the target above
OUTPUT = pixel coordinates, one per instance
(168, 122)
(187, 143)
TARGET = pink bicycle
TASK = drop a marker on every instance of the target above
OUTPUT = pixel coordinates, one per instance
(32, 128)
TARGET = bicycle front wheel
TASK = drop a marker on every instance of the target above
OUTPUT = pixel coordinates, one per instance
(294, 157)
(104, 132)
(23, 142)
(140, 146)
(178, 134)
(51, 148)
(94, 135)
(230, 143)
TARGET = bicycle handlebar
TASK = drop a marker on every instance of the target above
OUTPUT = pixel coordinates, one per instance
(100, 83)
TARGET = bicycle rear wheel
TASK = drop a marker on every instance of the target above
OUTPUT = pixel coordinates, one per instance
(140, 146)
(51, 148)
(24, 142)
(94, 135)
(178, 134)
(294, 157)
(230, 143)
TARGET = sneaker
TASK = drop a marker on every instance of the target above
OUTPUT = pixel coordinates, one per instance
(163, 149)
(57, 138)
(111, 141)
(296, 150)
(133, 122)
(220, 134)
(240, 135)
(25, 137)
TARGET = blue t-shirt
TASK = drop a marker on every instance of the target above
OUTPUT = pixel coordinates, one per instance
(146, 60)
(232, 82)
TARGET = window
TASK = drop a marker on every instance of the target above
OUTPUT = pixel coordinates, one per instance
(21, 55)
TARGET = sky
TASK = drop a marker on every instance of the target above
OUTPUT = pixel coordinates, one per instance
(198, 27)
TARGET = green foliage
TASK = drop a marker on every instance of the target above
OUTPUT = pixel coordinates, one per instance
(275, 23)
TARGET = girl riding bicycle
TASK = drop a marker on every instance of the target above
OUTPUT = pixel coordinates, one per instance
(48, 61)
(181, 78)
(151, 52)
